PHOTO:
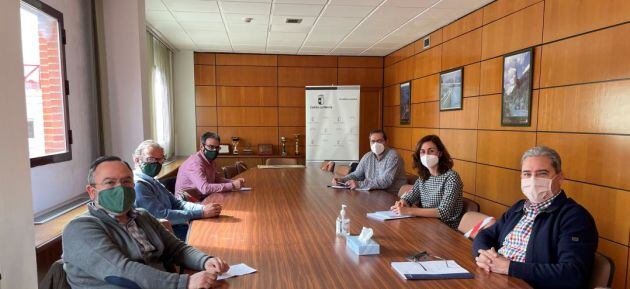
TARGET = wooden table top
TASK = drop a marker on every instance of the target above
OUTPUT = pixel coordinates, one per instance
(285, 228)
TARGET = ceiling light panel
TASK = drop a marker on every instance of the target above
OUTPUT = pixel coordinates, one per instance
(296, 10)
(192, 5)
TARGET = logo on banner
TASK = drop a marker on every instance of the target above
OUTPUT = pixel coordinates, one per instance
(320, 99)
(321, 103)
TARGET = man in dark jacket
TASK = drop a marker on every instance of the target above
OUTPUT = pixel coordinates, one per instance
(548, 240)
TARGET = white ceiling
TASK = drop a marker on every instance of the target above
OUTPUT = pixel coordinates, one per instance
(328, 27)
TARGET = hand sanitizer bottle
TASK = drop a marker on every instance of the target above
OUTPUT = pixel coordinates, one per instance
(343, 223)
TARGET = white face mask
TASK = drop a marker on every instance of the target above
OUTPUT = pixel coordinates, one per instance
(537, 190)
(429, 161)
(377, 148)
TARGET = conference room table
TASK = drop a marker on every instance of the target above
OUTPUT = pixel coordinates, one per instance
(285, 228)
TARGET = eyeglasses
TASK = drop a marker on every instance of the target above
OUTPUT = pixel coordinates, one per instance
(211, 147)
(153, 160)
(109, 183)
(377, 141)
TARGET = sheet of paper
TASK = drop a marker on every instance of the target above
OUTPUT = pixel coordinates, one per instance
(440, 267)
(245, 189)
(339, 187)
(387, 215)
(236, 270)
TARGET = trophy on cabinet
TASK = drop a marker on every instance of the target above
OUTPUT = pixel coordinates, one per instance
(297, 144)
(235, 140)
(283, 140)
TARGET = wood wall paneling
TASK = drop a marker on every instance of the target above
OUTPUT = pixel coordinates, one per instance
(204, 75)
(566, 18)
(203, 129)
(205, 96)
(305, 76)
(435, 39)
(399, 137)
(608, 207)
(597, 56)
(618, 254)
(425, 89)
(389, 75)
(593, 108)
(365, 77)
(408, 159)
(491, 76)
(428, 62)
(247, 59)
(353, 61)
(371, 116)
(462, 50)
(498, 184)
(246, 76)
(391, 95)
(405, 72)
(252, 135)
(491, 208)
(307, 61)
(291, 96)
(399, 54)
(514, 32)
(391, 115)
(291, 116)
(461, 144)
(247, 116)
(471, 79)
(501, 8)
(247, 96)
(463, 25)
(425, 114)
(206, 115)
(466, 171)
(418, 133)
(596, 159)
(490, 113)
(504, 148)
(204, 58)
(464, 118)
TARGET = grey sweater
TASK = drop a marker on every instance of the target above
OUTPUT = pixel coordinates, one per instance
(98, 253)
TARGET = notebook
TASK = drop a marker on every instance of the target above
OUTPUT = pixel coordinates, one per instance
(442, 269)
(386, 215)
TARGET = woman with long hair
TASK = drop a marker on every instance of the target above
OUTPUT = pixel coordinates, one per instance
(438, 191)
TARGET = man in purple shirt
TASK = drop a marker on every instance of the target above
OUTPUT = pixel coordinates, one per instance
(198, 175)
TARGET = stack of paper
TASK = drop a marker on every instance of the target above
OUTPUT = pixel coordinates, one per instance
(387, 215)
(442, 269)
(236, 270)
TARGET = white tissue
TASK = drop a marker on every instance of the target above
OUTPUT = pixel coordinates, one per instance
(366, 235)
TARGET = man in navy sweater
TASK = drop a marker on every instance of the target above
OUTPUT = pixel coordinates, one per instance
(548, 240)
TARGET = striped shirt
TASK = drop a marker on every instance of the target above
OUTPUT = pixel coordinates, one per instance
(133, 230)
(515, 243)
(386, 173)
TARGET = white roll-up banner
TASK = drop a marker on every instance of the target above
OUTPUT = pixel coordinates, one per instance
(332, 123)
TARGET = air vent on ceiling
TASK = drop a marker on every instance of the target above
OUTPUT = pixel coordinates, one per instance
(294, 20)
(248, 19)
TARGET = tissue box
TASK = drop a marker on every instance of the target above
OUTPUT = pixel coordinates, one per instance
(371, 248)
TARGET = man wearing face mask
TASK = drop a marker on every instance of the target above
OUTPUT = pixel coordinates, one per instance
(199, 176)
(115, 246)
(548, 240)
(152, 196)
(380, 169)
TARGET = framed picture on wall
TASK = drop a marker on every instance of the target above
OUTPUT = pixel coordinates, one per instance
(405, 103)
(224, 149)
(516, 97)
(451, 89)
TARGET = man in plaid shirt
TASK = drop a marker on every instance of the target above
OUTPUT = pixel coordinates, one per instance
(548, 240)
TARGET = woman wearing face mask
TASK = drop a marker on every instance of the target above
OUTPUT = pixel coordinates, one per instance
(438, 191)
